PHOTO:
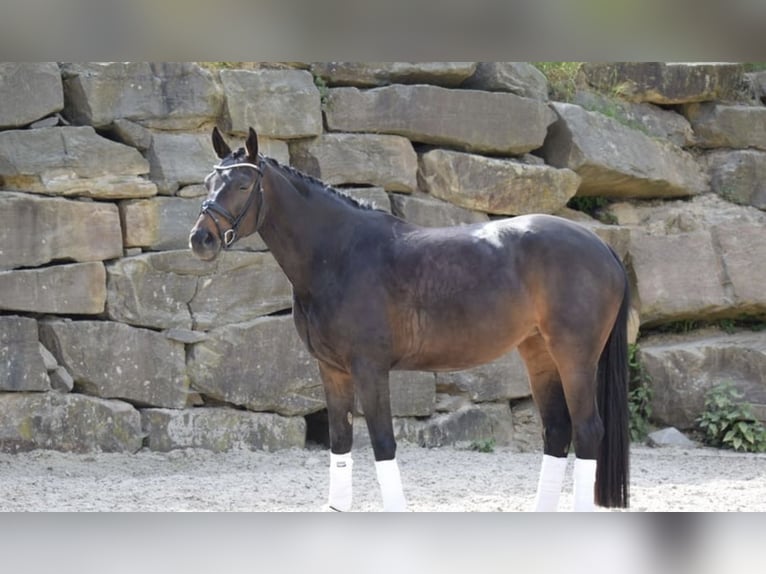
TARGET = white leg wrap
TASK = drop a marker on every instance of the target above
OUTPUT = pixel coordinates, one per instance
(390, 486)
(584, 485)
(340, 481)
(552, 473)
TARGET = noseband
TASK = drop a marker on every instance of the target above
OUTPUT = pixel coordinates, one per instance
(210, 207)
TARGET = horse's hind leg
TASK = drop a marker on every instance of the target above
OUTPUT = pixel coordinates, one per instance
(548, 395)
(339, 395)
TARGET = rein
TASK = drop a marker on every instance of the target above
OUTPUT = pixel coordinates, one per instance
(210, 207)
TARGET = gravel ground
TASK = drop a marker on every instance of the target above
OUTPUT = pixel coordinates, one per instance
(436, 480)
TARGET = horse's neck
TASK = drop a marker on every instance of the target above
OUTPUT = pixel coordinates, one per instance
(297, 223)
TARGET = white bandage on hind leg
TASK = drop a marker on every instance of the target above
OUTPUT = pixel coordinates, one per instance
(390, 482)
(552, 472)
(340, 481)
(584, 485)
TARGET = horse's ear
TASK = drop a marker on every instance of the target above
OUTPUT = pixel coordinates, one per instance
(251, 146)
(221, 148)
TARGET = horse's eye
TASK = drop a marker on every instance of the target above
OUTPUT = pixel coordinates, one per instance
(244, 188)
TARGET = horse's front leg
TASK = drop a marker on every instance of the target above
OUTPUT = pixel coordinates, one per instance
(371, 382)
(339, 395)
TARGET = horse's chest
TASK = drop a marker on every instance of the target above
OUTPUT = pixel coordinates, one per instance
(315, 333)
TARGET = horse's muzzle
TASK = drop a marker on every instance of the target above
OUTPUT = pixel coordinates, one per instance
(204, 244)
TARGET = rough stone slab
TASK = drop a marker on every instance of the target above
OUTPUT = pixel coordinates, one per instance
(29, 91)
(503, 379)
(495, 185)
(165, 95)
(260, 364)
(159, 223)
(728, 126)
(653, 120)
(179, 159)
(112, 360)
(617, 161)
(77, 289)
(282, 104)
(221, 430)
(739, 176)
(491, 122)
(372, 74)
(684, 368)
(424, 210)
(21, 365)
(61, 380)
(71, 160)
(386, 161)
(666, 83)
(742, 249)
(520, 78)
(175, 289)
(63, 230)
(413, 394)
(669, 436)
(678, 277)
(68, 423)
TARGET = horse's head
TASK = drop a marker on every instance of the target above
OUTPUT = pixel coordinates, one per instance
(234, 204)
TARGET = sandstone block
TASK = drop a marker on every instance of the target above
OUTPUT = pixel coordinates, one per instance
(422, 209)
(666, 83)
(221, 430)
(71, 160)
(179, 159)
(112, 360)
(21, 364)
(260, 364)
(614, 160)
(483, 122)
(371, 74)
(175, 289)
(36, 230)
(495, 185)
(165, 95)
(520, 78)
(29, 91)
(739, 176)
(280, 104)
(386, 161)
(503, 379)
(728, 126)
(77, 289)
(68, 423)
(742, 249)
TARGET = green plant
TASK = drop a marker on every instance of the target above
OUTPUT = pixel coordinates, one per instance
(562, 78)
(728, 422)
(486, 445)
(324, 90)
(640, 396)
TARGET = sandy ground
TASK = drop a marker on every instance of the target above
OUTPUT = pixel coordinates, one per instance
(435, 480)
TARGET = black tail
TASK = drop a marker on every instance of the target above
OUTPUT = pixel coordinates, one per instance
(613, 379)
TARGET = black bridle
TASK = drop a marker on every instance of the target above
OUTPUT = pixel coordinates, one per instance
(210, 207)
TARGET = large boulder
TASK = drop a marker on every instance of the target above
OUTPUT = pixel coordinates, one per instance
(260, 364)
(617, 161)
(221, 430)
(29, 91)
(483, 122)
(159, 223)
(21, 365)
(422, 209)
(67, 422)
(372, 74)
(36, 230)
(496, 185)
(739, 176)
(77, 289)
(520, 78)
(175, 289)
(503, 379)
(728, 126)
(741, 245)
(69, 161)
(166, 95)
(684, 368)
(112, 360)
(386, 161)
(179, 159)
(282, 104)
(666, 83)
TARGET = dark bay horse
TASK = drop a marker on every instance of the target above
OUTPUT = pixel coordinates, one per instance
(373, 293)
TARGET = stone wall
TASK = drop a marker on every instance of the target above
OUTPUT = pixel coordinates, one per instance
(113, 337)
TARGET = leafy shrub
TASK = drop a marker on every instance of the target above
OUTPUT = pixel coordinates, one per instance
(727, 421)
(639, 397)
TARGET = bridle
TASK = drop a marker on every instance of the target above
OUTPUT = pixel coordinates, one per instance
(210, 207)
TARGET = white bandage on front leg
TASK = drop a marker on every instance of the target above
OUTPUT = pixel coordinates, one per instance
(340, 481)
(584, 485)
(552, 472)
(390, 482)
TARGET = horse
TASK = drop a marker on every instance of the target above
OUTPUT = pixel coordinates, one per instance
(373, 293)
